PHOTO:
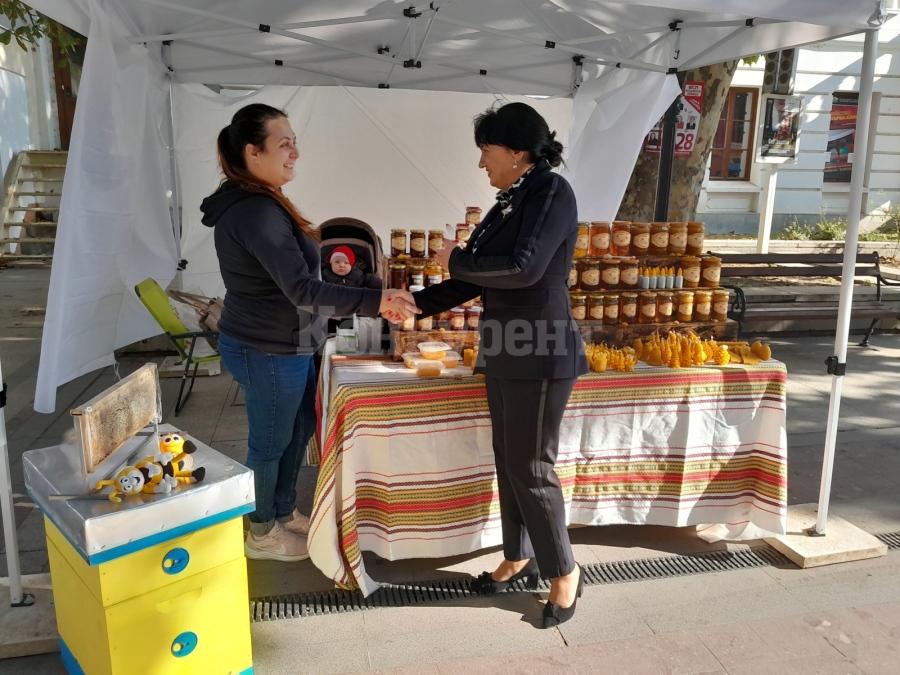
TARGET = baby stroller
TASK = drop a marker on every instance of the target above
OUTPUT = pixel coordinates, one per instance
(366, 247)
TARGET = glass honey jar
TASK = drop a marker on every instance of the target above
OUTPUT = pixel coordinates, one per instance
(710, 271)
(695, 234)
(473, 316)
(621, 238)
(418, 243)
(720, 299)
(398, 276)
(398, 243)
(611, 308)
(589, 275)
(595, 306)
(574, 275)
(457, 318)
(628, 273)
(435, 241)
(640, 238)
(463, 232)
(647, 304)
(702, 305)
(600, 234)
(473, 215)
(628, 303)
(690, 271)
(659, 238)
(677, 238)
(416, 274)
(665, 306)
(433, 273)
(583, 242)
(609, 273)
(579, 307)
(685, 311)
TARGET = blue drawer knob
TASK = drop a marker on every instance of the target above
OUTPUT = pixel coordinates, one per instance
(184, 644)
(175, 561)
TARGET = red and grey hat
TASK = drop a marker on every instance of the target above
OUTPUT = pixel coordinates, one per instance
(342, 252)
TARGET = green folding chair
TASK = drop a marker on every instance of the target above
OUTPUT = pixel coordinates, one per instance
(157, 303)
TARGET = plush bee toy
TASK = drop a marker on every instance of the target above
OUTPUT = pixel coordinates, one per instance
(157, 474)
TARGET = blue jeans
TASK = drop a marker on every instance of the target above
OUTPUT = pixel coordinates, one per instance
(280, 392)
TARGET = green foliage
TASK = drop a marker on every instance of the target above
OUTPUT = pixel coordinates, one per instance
(827, 229)
(749, 60)
(27, 26)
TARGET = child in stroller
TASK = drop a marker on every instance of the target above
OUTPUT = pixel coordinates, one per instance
(343, 270)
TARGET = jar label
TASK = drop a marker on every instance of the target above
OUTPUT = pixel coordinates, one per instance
(695, 240)
(424, 324)
(409, 323)
(649, 309)
(691, 273)
(712, 274)
(628, 310)
(473, 217)
(399, 243)
(472, 322)
(417, 279)
(611, 311)
(457, 322)
(686, 309)
(629, 276)
(597, 312)
(578, 313)
(590, 277)
(660, 239)
(621, 237)
(665, 308)
(600, 240)
(435, 279)
(462, 234)
(611, 276)
(573, 277)
(581, 244)
(417, 244)
(702, 308)
(642, 240)
(678, 240)
(721, 308)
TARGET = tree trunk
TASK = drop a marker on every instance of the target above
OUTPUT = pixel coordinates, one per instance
(638, 204)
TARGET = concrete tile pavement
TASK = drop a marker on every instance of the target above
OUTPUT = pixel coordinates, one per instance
(685, 625)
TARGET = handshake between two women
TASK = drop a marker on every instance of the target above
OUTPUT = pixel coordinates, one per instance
(397, 305)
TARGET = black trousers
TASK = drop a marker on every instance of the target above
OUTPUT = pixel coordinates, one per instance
(526, 415)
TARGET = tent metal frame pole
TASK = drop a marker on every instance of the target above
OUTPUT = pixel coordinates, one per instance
(667, 155)
(173, 166)
(698, 58)
(837, 364)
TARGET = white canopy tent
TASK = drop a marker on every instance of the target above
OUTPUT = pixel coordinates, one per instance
(615, 59)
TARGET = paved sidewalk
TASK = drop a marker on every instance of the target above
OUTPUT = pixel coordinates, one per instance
(838, 619)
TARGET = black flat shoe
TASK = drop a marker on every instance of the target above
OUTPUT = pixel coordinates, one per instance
(554, 614)
(484, 584)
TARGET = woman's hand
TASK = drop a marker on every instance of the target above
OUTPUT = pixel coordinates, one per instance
(397, 305)
(443, 256)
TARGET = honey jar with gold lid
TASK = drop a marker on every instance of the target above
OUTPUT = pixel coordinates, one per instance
(398, 243)
(677, 238)
(418, 243)
(659, 238)
(628, 302)
(433, 273)
(665, 306)
(647, 307)
(702, 305)
(640, 238)
(463, 232)
(590, 274)
(574, 276)
(595, 306)
(695, 234)
(720, 300)
(628, 272)
(690, 271)
(685, 311)
(611, 308)
(398, 276)
(583, 242)
(600, 234)
(416, 274)
(710, 271)
(473, 215)
(579, 307)
(621, 238)
(435, 241)
(609, 273)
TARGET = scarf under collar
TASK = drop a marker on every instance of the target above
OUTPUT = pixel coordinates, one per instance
(504, 197)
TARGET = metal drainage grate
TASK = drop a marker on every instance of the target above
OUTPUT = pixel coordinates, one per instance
(443, 590)
(892, 539)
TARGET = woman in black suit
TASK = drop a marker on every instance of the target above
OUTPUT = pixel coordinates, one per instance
(518, 261)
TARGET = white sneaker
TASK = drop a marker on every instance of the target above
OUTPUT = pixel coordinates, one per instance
(298, 524)
(278, 544)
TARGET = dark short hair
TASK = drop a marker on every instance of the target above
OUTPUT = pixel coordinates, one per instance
(518, 126)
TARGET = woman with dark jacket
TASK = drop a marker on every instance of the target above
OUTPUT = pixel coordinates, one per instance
(518, 259)
(274, 320)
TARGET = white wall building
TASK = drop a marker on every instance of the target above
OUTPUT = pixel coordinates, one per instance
(827, 77)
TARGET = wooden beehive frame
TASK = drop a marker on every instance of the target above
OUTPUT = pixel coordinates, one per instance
(109, 420)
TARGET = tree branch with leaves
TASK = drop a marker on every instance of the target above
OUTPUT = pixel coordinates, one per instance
(27, 26)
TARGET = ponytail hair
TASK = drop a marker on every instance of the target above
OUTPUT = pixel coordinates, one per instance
(248, 126)
(518, 126)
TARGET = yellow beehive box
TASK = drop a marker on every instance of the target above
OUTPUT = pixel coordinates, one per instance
(198, 624)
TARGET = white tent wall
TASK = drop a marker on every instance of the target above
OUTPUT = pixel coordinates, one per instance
(115, 227)
(395, 158)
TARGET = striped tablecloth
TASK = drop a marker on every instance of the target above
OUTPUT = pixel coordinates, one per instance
(407, 469)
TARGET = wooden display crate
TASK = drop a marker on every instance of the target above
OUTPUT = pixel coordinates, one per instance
(620, 335)
(403, 341)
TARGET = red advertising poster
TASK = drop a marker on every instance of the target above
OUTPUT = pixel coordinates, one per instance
(841, 138)
(685, 128)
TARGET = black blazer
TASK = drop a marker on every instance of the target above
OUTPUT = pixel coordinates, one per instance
(518, 261)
